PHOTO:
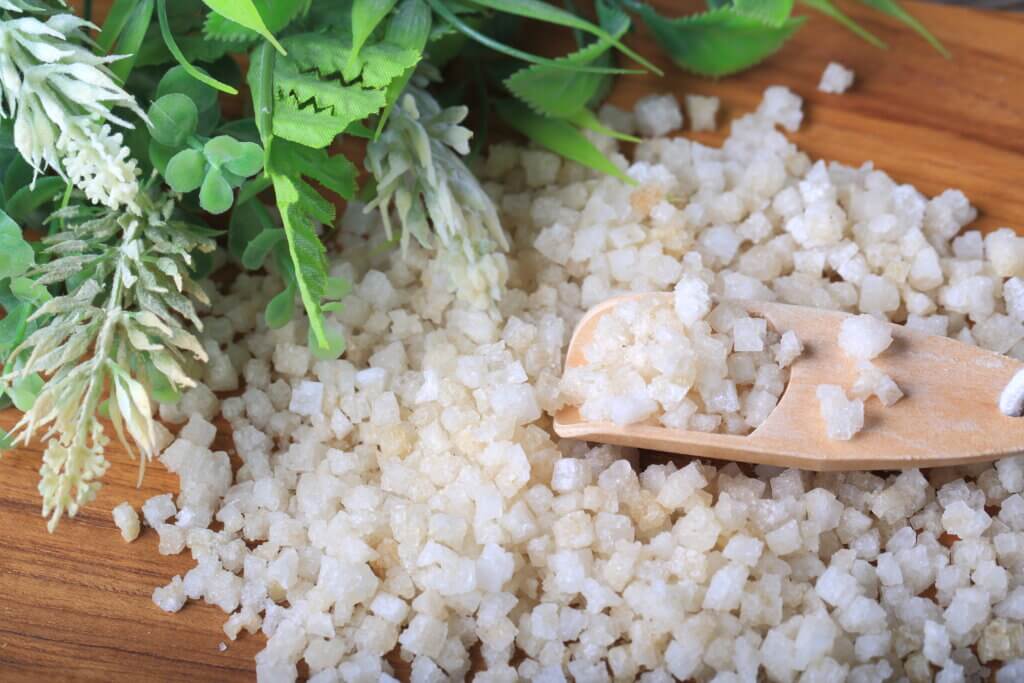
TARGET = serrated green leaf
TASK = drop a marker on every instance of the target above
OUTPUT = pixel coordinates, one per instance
(558, 136)
(366, 15)
(562, 93)
(185, 170)
(830, 10)
(281, 309)
(719, 42)
(307, 253)
(215, 195)
(16, 255)
(244, 13)
(543, 11)
(312, 111)
(256, 251)
(894, 9)
(277, 15)
(336, 173)
(586, 119)
(774, 12)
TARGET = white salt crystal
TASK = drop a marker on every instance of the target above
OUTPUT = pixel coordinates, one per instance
(836, 79)
(864, 336)
(657, 115)
(701, 111)
(843, 417)
(127, 521)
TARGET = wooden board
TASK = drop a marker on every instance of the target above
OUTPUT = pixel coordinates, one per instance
(76, 605)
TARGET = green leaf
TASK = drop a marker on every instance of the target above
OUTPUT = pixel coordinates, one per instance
(256, 251)
(558, 136)
(331, 348)
(312, 111)
(261, 84)
(14, 326)
(281, 309)
(543, 11)
(24, 390)
(894, 9)
(774, 12)
(277, 15)
(719, 42)
(117, 18)
(562, 93)
(244, 13)
(221, 149)
(160, 156)
(215, 195)
(830, 10)
(307, 253)
(248, 161)
(178, 80)
(586, 119)
(336, 173)
(30, 291)
(366, 15)
(441, 9)
(172, 46)
(160, 388)
(185, 170)
(130, 37)
(248, 221)
(28, 199)
(174, 119)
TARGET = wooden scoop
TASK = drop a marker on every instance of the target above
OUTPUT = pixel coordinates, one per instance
(948, 416)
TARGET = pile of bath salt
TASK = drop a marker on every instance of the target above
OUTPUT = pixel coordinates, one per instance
(406, 510)
(678, 363)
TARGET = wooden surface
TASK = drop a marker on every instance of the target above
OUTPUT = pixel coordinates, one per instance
(76, 605)
(948, 416)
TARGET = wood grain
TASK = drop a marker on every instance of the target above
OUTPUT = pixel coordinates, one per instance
(77, 604)
(949, 416)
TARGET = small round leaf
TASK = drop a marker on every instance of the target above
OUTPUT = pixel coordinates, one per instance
(215, 195)
(222, 149)
(177, 80)
(174, 119)
(249, 160)
(185, 170)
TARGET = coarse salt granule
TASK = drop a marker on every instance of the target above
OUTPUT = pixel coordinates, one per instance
(658, 115)
(843, 417)
(127, 521)
(836, 79)
(702, 112)
(864, 336)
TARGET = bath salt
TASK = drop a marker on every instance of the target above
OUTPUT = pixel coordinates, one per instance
(416, 512)
(864, 337)
(127, 521)
(682, 364)
(843, 417)
(702, 111)
(836, 79)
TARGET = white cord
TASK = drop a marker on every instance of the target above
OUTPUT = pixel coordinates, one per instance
(1011, 401)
